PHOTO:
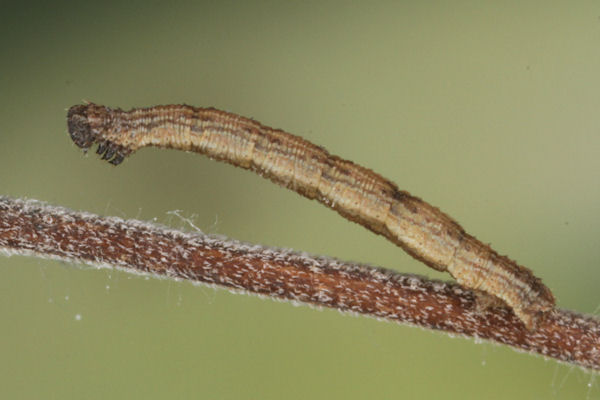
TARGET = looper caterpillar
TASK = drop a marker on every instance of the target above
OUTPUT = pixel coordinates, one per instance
(355, 192)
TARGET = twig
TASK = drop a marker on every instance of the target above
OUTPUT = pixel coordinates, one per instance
(32, 228)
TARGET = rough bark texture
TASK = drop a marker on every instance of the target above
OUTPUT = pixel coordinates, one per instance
(32, 228)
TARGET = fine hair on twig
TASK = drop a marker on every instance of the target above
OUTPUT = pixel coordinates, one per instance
(29, 227)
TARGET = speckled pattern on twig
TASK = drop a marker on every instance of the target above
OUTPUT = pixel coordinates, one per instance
(32, 228)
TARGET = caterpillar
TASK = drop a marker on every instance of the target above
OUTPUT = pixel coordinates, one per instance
(355, 192)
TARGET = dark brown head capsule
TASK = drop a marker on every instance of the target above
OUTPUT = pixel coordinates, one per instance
(79, 127)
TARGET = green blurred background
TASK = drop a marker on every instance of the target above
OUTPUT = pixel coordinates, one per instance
(489, 110)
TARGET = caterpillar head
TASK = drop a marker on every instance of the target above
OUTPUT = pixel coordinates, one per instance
(86, 124)
(79, 126)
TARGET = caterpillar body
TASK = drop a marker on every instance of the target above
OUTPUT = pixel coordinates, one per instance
(355, 192)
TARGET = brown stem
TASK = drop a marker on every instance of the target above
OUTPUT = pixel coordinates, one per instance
(33, 228)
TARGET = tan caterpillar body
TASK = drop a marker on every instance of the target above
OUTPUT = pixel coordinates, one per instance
(355, 192)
